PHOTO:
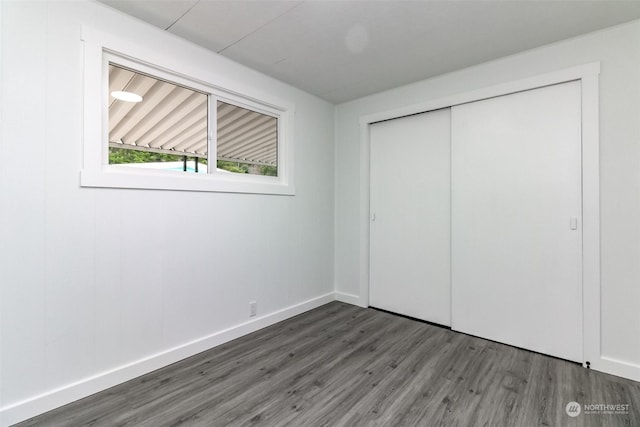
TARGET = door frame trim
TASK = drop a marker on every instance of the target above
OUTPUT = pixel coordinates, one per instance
(588, 75)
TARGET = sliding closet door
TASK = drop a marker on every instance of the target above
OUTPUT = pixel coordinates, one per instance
(516, 225)
(410, 216)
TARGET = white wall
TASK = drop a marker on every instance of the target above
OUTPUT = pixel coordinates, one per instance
(100, 285)
(618, 49)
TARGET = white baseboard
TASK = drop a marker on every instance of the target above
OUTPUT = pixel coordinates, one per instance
(617, 367)
(348, 298)
(52, 399)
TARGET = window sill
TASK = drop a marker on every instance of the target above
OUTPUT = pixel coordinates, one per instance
(111, 177)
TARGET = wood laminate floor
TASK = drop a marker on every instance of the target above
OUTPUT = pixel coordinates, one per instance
(340, 365)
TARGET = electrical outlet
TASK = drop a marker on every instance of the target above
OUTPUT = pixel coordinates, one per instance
(253, 308)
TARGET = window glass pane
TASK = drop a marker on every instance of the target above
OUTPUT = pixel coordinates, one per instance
(156, 124)
(247, 141)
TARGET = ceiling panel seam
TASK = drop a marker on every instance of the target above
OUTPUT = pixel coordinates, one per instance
(260, 27)
(182, 16)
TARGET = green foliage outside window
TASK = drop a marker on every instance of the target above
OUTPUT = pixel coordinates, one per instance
(246, 168)
(269, 170)
(124, 156)
(119, 156)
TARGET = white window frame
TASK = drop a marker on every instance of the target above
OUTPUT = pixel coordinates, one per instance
(100, 49)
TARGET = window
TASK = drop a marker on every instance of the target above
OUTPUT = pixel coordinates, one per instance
(155, 123)
(163, 128)
(247, 141)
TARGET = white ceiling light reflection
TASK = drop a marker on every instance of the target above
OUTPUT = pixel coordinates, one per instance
(126, 96)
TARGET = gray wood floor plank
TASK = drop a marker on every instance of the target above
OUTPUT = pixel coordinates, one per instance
(341, 365)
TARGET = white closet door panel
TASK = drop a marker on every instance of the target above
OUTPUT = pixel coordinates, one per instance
(516, 231)
(410, 208)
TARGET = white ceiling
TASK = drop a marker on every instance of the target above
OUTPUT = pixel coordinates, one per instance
(342, 50)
